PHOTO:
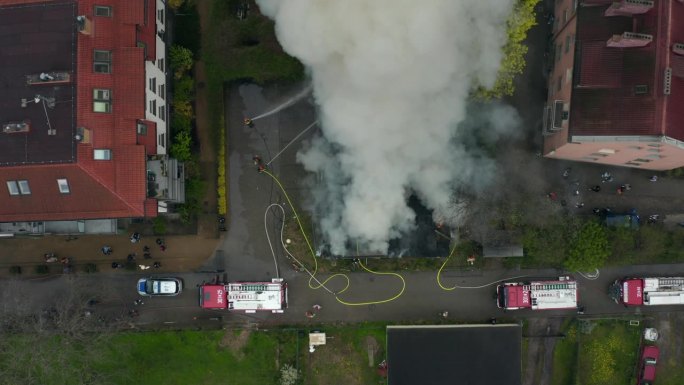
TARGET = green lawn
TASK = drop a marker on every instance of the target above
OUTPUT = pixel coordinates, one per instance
(195, 357)
(608, 352)
(169, 358)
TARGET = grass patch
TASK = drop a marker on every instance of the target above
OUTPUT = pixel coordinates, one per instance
(195, 357)
(608, 352)
(565, 356)
(345, 358)
(188, 357)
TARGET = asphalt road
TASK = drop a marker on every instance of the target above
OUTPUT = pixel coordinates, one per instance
(422, 299)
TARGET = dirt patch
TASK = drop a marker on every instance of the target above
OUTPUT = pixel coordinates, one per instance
(235, 341)
(542, 334)
(335, 363)
(372, 347)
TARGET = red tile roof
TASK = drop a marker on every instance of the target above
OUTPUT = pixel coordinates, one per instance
(674, 111)
(98, 188)
(604, 101)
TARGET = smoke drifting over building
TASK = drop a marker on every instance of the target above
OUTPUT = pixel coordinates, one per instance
(391, 79)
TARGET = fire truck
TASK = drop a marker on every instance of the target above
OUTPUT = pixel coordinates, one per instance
(648, 291)
(538, 295)
(248, 297)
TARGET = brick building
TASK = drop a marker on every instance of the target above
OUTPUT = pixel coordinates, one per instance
(84, 115)
(616, 85)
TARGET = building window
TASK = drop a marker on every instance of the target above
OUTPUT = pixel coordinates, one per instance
(63, 185)
(153, 84)
(102, 100)
(160, 15)
(102, 62)
(162, 140)
(574, 5)
(160, 64)
(12, 187)
(162, 90)
(162, 113)
(559, 47)
(565, 16)
(103, 11)
(633, 164)
(153, 107)
(641, 160)
(559, 84)
(24, 188)
(102, 154)
(567, 43)
(141, 128)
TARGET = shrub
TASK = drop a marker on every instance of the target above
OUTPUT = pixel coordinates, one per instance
(183, 89)
(182, 108)
(159, 226)
(288, 375)
(180, 59)
(42, 269)
(15, 270)
(180, 148)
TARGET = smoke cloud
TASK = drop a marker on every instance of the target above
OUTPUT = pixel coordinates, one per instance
(391, 79)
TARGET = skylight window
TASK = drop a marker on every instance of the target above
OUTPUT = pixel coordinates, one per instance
(63, 186)
(24, 188)
(12, 187)
(102, 154)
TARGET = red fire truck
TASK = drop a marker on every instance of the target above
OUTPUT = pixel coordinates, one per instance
(248, 297)
(538, 295)
(648, 291)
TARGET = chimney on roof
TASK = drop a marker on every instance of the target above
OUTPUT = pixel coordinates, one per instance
(629, 8)
(629, 40)
(83, 24)
(678, 48)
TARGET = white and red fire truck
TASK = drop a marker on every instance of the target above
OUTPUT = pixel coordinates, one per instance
(248, 297)
(648, 291)
(538, 295)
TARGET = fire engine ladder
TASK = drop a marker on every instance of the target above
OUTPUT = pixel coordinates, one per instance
(671, 282)
(550, 286)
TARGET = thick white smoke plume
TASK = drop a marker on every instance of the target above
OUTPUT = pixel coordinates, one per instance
(392, 79)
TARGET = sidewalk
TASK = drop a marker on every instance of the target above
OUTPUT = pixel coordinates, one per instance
(183, 253)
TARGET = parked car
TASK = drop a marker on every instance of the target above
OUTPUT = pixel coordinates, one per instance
(647, 365)
(159, 286)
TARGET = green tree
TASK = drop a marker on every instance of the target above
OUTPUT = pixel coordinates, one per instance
(589, 248)
(180, 149)
(180, 59)
(519, 23)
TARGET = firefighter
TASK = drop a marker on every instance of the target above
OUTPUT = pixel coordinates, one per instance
(248, 122)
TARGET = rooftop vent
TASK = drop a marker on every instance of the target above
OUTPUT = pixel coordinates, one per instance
(83, 24)
(641, 89)
(678, 48)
